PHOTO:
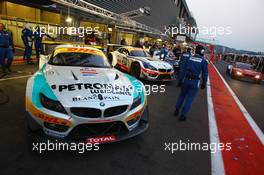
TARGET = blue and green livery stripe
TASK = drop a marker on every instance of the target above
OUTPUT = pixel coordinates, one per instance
(136, 85)
(40, 85)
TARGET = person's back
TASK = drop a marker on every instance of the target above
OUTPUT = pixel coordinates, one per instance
(189, 78)
(196, 66)
(183, 59)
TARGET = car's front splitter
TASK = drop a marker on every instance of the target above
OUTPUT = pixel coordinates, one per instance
(109, 138)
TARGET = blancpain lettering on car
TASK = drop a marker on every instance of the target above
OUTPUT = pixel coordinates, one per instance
(78, 95)
(140, 64)
(95, 97)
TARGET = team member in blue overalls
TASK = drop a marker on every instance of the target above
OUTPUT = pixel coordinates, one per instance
(27, 37)
(163, 52)
(185, 56)
(189, 80)
(6, 46)
(38, 36)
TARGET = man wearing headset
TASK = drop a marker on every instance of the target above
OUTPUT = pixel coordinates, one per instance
(192, 70)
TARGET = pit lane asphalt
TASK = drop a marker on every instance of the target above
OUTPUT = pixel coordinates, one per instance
(250, 94)
(143, 154)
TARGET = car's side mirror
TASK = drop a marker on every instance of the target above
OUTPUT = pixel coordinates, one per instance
(43, 59)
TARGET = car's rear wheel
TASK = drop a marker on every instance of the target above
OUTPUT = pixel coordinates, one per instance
(135, 70)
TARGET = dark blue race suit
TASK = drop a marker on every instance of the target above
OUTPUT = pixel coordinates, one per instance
(6, 44)
(38, 36)
(189, 78)
(27, 37)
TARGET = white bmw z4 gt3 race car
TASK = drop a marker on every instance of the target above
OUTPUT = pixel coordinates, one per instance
(141, 65)
(78, 95)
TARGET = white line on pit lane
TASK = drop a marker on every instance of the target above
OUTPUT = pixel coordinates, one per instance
(216, 158)
(14, 78)
(248, 117)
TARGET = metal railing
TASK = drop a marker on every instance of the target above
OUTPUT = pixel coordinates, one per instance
(106, 14)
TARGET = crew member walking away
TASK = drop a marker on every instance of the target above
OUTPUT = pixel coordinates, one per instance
(38, 36)
(27, 37)
(6, 49)
(189, 81)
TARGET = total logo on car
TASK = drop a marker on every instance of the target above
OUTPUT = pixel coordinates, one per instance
(139, 64)
(244, 71)
(78, 95)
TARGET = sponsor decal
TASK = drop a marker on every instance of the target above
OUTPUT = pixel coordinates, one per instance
(88, 72)
(95, 97)
(45, 117)
(102, 104)
(101, 139)
(96, 88)
(79, 50)
(131, 49)
(100, 97)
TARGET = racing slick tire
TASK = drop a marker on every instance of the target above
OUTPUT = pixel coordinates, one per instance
(135, 70)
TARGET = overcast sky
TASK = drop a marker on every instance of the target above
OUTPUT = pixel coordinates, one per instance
(245, 17)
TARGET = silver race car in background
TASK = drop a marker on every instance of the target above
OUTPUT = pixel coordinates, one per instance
(138, 63)
(170, 58)
(78, 95)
